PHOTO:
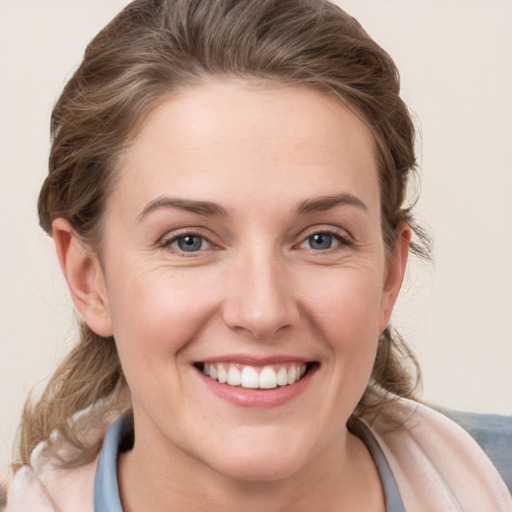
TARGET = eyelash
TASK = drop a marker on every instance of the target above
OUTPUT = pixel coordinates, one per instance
(166, 243)
(343, 241)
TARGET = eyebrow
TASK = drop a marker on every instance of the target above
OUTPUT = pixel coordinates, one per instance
(209, 208)
(324, 203)
(187, 205)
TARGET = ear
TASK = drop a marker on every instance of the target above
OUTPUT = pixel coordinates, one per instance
(84, 275)
(395, 274)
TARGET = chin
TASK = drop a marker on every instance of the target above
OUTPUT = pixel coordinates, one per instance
(259, 469)
(265, 459)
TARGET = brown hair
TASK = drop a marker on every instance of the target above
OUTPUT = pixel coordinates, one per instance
(156, 46)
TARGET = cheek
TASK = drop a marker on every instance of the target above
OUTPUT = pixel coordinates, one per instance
(155, 316)
(157, 313)
(344, 310)
(346, 307)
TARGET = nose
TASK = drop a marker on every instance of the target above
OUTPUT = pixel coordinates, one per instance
(260, 299)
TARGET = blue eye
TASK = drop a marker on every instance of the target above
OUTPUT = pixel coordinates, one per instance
(189, 243)
(324, 241)
(320, 241)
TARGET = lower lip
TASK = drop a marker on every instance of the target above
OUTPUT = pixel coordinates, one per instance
(258, 398)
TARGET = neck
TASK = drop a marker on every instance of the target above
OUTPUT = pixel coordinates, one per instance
(341, 477)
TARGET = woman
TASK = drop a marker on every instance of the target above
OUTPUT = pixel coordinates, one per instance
(227, 198)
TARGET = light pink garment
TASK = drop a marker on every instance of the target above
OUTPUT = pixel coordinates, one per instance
(51, 490)
(437, 465)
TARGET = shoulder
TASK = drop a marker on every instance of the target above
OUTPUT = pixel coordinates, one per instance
(52, 488)
(493, 433)
(437, 465)
(54, 480)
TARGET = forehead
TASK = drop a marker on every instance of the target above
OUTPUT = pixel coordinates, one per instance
(250, 139)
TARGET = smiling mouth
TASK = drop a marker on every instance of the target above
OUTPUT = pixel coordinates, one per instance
(254, 377)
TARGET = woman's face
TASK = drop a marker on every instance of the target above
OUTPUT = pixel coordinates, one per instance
(243, 243)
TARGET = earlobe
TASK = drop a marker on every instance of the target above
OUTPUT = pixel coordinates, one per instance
(84, 276)
(395, 273)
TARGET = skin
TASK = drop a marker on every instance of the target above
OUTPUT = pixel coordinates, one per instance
(258, 287)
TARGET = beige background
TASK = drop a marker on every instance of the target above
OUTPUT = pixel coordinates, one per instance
(456, 64)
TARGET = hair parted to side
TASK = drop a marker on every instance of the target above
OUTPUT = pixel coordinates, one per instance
(155, 47)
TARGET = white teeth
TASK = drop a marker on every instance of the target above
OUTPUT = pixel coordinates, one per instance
(268, 378)
(251, 377)
(222, 374)
(282, 376)
(234, 376)
(292, 375)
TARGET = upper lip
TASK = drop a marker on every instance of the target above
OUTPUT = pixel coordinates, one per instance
(251, 360)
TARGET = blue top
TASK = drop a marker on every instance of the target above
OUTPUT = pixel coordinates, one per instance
(120, 437)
